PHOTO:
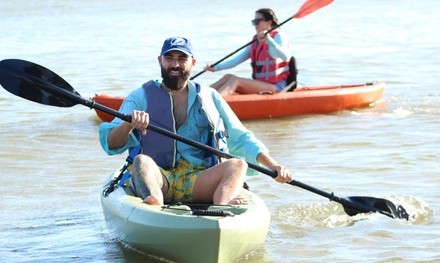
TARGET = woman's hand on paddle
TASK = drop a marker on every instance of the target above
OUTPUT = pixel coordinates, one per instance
(140, 120)
(262, 36)
(209, 68)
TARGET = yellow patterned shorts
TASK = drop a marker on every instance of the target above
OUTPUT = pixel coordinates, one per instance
(181, 180)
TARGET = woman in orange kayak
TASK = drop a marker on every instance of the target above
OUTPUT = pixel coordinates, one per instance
(269, 54)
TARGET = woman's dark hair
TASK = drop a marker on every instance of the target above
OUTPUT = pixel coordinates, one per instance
(268, 15)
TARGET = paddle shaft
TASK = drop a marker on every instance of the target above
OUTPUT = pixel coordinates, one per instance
(308, 7)
(53, 86)
(54, 89)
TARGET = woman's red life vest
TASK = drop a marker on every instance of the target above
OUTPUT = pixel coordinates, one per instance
(264, 66)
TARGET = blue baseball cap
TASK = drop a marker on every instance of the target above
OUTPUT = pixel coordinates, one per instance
(177, 43)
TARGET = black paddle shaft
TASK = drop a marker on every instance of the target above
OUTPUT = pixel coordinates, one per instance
(22, 78)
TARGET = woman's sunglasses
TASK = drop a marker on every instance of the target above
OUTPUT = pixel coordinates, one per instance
(256, 21)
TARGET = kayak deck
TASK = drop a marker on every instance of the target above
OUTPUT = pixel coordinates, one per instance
(186, 233)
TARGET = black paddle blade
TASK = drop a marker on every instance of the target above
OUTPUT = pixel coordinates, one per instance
(33, 82)
(365, 204)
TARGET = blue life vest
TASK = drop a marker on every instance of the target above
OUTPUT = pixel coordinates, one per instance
(159, 147)
(162, 149)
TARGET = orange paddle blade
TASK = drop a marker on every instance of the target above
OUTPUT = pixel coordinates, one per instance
(311, 6)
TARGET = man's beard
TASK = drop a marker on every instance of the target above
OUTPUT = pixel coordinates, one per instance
(174, 82)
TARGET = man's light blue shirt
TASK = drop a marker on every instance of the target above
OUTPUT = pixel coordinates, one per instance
(241, 142)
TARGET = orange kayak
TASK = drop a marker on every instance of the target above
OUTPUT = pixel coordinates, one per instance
(303, 100)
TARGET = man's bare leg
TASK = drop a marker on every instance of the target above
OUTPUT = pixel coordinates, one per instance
(221, 184)
(149, 182)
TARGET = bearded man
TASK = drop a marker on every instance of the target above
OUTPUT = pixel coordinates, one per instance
(168, 171)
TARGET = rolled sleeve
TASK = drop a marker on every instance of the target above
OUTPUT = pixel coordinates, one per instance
(135, 101)
(104, 130)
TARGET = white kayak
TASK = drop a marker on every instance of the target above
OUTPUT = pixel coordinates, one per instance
(186, 233)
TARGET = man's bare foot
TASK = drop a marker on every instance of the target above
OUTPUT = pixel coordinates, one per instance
(234, 202)
(152, 200)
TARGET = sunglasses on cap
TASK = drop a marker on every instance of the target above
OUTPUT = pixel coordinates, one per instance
(256, 21)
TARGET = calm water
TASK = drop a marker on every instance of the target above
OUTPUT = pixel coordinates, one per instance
(52, 166)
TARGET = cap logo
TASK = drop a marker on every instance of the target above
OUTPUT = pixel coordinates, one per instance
(177, 42)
